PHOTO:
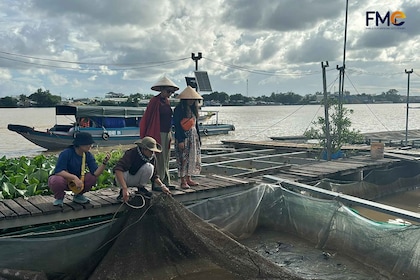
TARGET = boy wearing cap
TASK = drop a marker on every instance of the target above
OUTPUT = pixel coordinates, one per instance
(156, 122)
(70, 167)
(137, 167)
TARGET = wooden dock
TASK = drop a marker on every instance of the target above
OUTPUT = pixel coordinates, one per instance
(38, 209)
(395, 138)
(236, 167)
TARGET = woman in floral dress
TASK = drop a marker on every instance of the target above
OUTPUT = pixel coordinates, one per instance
(187, 137)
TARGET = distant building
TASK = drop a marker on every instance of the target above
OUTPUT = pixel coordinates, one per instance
(112, 95)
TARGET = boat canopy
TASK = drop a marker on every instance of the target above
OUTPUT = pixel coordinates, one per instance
(99, 111)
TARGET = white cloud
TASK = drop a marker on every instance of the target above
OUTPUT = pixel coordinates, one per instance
(5, 75)
(277, 46)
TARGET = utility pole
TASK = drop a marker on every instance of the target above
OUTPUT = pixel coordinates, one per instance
(408, 102)
(196, 59)
(342, 75)
(327, 121)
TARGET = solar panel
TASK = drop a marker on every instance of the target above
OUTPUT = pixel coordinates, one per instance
(191, 82)
(203, 81)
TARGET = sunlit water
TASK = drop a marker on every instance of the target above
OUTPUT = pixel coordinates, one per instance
(251, 122)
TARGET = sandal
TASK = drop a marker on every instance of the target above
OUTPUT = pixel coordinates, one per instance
(192, 183)
(184, 186)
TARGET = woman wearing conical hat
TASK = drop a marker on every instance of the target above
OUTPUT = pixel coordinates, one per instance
(157, 122)
(187, 137)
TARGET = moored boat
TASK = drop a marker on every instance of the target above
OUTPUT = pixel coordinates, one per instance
(209, 124)
(109, 126)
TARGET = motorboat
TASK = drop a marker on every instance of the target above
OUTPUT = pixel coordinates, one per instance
(108, 125)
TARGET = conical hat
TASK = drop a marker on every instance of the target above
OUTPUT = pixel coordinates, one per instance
(189, 93)
(164, 82)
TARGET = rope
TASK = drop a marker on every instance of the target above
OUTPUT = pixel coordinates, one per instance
(137, 207)
(275, 123)
(127, 227)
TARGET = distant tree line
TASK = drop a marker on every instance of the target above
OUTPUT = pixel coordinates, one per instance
(42, 98)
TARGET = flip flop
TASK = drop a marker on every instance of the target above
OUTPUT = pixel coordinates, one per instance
(184, 186)
(192, 183)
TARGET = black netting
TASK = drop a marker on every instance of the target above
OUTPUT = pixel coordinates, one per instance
(170, 241)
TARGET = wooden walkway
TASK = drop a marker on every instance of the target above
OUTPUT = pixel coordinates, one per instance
(294, 163)
(40, 210)
(236, 167)
(389, 138)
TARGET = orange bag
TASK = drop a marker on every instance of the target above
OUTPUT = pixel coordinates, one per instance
(187, 123)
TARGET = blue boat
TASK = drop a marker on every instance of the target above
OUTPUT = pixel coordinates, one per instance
(108, 125)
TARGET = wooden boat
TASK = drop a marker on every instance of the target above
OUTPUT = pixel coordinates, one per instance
(109, 126)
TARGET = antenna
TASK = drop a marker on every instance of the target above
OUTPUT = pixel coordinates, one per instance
(408, 101)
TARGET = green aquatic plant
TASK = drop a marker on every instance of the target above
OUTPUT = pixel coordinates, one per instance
(340, 130)
(28, 176)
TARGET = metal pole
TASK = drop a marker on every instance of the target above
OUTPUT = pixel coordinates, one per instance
(408, 103)
(326, 105)
(196, 59)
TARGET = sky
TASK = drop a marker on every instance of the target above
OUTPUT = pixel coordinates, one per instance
(83, 48)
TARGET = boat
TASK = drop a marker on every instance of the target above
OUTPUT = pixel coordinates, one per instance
(209, 124)
(61, 249)
(108, 125)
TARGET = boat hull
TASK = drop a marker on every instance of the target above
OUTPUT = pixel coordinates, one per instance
(58, 140)
(215, 129)
(59, 252)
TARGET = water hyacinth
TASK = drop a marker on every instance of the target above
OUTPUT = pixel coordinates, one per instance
(28, 176)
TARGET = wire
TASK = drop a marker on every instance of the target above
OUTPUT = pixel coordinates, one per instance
(152, 64)
(275, 123)
(111, 66)
(261, 72)
(367, 105)
(95, 63)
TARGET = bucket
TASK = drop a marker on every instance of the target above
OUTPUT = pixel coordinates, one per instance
(377, 150)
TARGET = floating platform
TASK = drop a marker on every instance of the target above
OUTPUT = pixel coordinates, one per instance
(237, 166)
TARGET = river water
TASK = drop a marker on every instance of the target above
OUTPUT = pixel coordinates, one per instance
(251, 123)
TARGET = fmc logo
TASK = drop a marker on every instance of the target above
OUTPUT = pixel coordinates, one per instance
(395, 18)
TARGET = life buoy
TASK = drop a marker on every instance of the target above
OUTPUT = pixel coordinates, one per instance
(105, 136)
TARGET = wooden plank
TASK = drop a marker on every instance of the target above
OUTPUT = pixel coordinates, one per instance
(32, 209)
(45, 204)
(95, 201)
(212, 183)
(233, 181)
(6, 212)
(109, 195)
(17, 208)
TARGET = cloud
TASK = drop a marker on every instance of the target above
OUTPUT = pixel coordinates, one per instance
(102, 46)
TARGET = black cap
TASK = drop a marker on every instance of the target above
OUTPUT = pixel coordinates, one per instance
(83, 138)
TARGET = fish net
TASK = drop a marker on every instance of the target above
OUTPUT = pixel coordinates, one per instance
(167, 241)
(391, 251)
(377, 183)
